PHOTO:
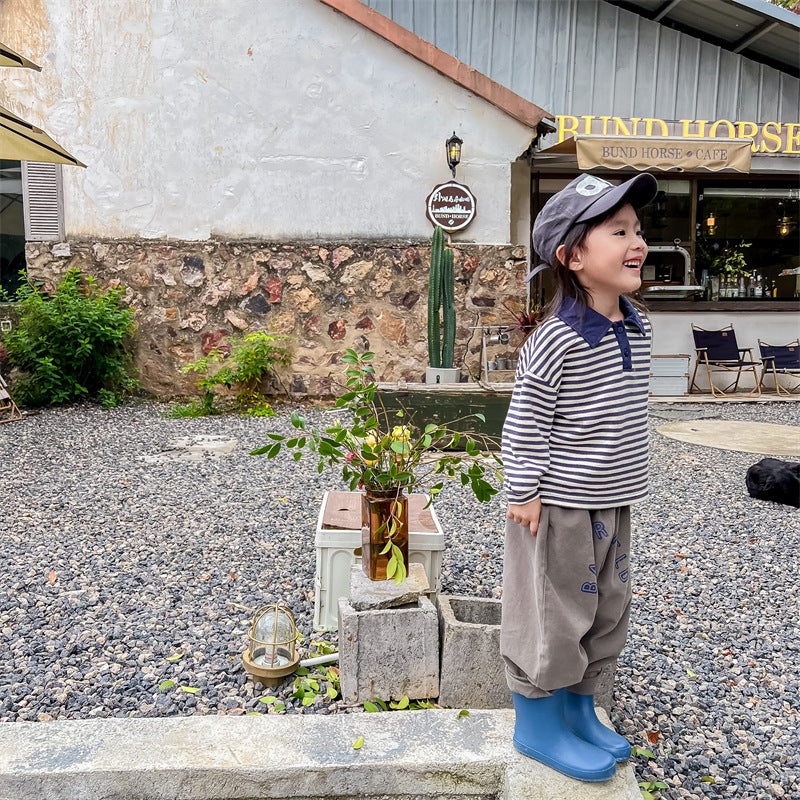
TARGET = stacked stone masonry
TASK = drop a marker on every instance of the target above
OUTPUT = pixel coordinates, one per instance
(326, 297)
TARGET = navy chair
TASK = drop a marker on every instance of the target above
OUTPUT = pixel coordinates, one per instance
(718, 352)
(782, 359)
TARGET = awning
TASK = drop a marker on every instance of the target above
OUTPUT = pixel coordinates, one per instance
(646, 152)
(8, 58)
(21, 141)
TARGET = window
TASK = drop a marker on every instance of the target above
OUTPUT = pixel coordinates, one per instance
(31, 209)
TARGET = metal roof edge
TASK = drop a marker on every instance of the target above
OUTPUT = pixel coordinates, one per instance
(467, 77)
(769, 11)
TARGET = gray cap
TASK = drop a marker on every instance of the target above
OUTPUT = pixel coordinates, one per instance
(584, 198)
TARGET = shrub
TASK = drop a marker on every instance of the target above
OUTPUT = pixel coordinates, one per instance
(72, 345)
(241, 361)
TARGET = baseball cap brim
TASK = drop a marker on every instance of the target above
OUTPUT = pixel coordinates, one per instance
(638, 191)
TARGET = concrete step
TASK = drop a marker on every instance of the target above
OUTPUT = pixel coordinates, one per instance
(408, 755)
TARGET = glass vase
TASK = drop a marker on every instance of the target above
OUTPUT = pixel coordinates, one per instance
(383, 509)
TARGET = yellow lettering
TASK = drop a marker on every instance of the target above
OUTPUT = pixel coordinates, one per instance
(635, 122)
(587, 124)
(566, 124)
(701, 123)
(748, 130)
(775, 138)
(605, 124)
(792, 138)
(731, 130)
(620, 129)
(648, 126)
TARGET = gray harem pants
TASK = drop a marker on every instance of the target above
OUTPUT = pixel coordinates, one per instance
(566, 599)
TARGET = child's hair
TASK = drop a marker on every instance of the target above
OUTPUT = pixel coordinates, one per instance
(567, 283)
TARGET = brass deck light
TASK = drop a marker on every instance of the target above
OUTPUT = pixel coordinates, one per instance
(271, 653)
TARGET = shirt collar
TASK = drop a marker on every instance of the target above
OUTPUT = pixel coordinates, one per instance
(590, 324)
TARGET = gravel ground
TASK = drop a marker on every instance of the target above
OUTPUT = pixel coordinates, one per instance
(116, 558)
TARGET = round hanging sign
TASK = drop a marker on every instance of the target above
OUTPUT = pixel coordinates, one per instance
(451, 205)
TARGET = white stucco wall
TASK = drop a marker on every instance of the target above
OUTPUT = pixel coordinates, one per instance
(269, 119)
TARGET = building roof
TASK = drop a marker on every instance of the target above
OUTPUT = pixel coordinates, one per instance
(756, 29)
(463, 74)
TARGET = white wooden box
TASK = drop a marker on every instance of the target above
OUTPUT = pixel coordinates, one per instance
(669, 375)
(339, 534)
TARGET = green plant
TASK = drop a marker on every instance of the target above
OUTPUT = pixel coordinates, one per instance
(242, 361)
(649, 787)
(731, 263)
(375, 453)
(71, 345)
(441, 295)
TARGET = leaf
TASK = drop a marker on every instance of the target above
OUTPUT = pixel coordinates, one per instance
(690, 673)
(705, 779)
(279, 707)
(643, 751)
(481, 417)
(357, 743)
(370, 708)
(653, 737)
(391, 567)
(165, 685)
(175, 657)
(463, 713)
(302, 671)
(190, 689)
(308, 699)
(269, 699)
(647, 795)
(332, 693)
(51, 578)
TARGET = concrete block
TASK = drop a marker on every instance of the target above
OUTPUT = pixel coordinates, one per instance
(366, 595)
(414, 755)
(388, 653)
(604, 693)
(472, 674)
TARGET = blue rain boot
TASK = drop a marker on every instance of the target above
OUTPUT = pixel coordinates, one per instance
(541, 733)
(582, 720)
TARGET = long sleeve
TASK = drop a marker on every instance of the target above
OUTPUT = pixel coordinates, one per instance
(526, 434)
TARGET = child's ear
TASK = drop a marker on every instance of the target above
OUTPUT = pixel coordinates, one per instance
(575, 262)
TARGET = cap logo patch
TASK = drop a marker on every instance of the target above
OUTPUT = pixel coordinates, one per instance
(590, 185)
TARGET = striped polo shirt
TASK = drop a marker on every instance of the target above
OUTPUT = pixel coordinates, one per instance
(576, 430)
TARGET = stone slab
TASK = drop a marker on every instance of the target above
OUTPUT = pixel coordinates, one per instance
(367, 595)
(414, 755)
(390, 653)
(747, 437)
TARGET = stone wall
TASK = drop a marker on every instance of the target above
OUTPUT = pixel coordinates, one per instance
(326, 297)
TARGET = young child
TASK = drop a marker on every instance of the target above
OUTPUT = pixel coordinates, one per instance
(575, 458)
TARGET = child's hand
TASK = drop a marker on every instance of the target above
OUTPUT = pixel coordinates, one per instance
(526, 514)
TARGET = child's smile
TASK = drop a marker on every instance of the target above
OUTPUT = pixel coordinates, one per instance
(609, 263)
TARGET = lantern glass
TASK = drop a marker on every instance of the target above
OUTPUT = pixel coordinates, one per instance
(453, 147)
(272, 637)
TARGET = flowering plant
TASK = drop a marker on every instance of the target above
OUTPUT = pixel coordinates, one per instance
(385, 450)
(375, 453)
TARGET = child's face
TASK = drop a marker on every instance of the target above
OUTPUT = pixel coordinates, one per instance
(609, 263)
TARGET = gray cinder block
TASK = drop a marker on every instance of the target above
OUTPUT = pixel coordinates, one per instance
(388, 653)
(472, 671)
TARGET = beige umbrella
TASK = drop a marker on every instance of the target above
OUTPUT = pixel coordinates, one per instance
(21, 141)
(8, 58)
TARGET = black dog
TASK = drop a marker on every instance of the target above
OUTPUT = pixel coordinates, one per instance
(772, 479)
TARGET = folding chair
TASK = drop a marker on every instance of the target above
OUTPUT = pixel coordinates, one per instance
(718, 352)
(8, 408)
(780, 360)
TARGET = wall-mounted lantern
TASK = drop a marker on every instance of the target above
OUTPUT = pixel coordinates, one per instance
(711, 223)
(453, 148)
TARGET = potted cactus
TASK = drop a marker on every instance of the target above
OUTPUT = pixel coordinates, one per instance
(441, 298)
